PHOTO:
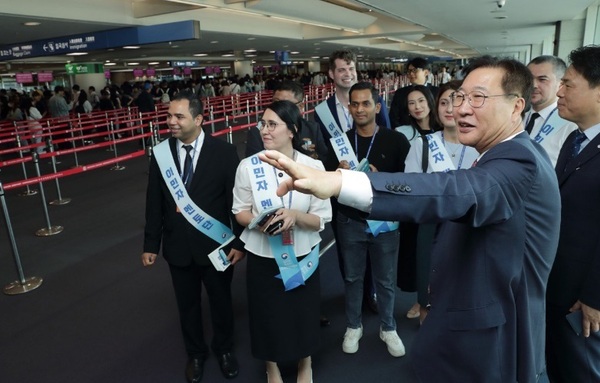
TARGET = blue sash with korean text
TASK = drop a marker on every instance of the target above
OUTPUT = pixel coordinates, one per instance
(203, 222)
(339, 141)
(439, 159)
(550, 126)
(292, 272)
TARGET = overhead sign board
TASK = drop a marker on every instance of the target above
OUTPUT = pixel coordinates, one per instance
(84, 68)
(45, 77)
(181, 30)
(24, 78)
(184, 63)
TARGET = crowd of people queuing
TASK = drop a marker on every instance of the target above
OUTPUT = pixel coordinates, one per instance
(14, 104)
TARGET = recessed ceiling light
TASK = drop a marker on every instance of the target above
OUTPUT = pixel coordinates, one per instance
(250, 55)
(154, 63)
(315, 57)
(295, 53)
(174, 46)
(227, 55)
(131, 47)
(214, 42)
(131, 64)
(249, 50)
(110, 64)
(201, 54)
(31, 24)
(251, 38)
(77, 54)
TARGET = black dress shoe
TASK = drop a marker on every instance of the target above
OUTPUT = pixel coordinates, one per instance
(194, 370)
(324, 321)
(229, 365)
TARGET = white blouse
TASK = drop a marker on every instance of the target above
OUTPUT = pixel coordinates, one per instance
(304, 239)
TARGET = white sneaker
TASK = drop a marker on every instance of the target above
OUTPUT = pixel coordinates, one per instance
(394, 343)
(351, 338)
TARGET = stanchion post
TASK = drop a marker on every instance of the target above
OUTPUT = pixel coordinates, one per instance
(60, 200)
(27, 191)
(73, 144)
(117, 166)
(49, 229)
(212, 119)
(22, 285)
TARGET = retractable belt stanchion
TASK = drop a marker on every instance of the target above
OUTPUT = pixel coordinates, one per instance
(60, 200)
(248, 111)
(116, 166)
(49, 229)
(27, 191)
(212, 119)
(154, 134)
(142, 130)
(73, 145)
(230, 135)
(23, 285)
(111, 136)
(255, 107)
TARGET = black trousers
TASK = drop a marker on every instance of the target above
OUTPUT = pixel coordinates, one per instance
(188, 282)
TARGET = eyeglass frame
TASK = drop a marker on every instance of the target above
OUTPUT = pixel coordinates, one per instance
(414, 70)
(270, 125)
(470, 98)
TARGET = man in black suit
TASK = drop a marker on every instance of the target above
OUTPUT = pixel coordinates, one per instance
(208, 172)
(309, 133)
(573, 313)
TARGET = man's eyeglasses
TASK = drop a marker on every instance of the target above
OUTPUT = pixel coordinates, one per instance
(270, 125)
(476, 98)
(294, 101)
(414, 70)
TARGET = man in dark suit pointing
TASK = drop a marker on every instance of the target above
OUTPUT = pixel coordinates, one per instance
(206, 166)
(496, 240)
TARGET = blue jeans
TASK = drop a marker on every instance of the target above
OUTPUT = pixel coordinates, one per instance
(354, 244)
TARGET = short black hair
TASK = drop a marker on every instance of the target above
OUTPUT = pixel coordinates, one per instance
(419, 62)
(586, 61)
(517, 77)
(362, 85)
(558, 65)
(196, 108)
(292, 86)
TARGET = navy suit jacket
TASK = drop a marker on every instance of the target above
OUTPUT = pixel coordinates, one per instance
(489, 264)
(211, 190)
(576, 271)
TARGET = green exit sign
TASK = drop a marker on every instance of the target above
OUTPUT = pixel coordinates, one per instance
(84, 68)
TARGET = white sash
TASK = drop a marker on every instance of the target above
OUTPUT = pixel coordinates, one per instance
(264, 186)
(339, 141)
(439, 159)
(550, 126)
(203, 222)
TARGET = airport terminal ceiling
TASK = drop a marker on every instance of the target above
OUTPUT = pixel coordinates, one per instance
(230, 30)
